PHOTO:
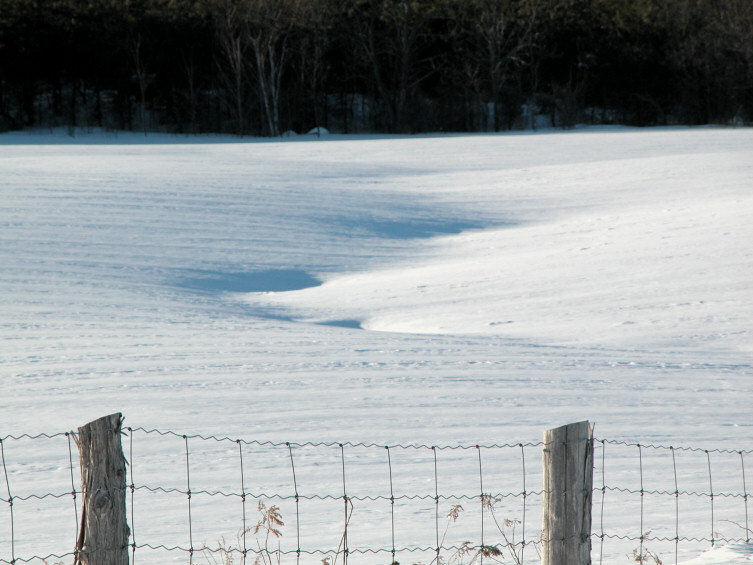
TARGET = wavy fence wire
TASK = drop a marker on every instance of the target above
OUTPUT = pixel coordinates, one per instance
(204, 499)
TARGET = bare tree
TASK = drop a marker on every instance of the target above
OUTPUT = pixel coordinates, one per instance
(270, 25)
(732, 25)
(497, 37)
(316, 20)
(388, 34)
(230, 19)
(142, 77)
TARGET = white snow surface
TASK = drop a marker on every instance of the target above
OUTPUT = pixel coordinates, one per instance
(728, 555)
(441, 290)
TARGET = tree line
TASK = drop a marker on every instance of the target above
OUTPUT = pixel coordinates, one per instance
(263, 67)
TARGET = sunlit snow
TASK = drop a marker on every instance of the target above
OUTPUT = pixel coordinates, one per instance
(431, 289)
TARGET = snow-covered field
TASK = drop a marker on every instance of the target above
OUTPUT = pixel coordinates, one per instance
(439, 290)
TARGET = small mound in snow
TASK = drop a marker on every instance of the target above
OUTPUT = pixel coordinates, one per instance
(319, 131)
(738, 554)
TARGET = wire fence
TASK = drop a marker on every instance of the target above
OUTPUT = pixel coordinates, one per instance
(669, 496)
(208, 499)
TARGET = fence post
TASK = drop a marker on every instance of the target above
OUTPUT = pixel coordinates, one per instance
(103, 535)
(567, 458)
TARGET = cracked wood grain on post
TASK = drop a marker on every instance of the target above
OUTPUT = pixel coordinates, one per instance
(103, 536)
(567, 459)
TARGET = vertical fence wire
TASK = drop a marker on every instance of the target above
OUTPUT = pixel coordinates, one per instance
(10, 504)
(525, 495)
(603, 493)
(188, 495)
(677, 504)
(345, 501)
(392, 503)
(436, 501)
(711, 497)
(297, 507)
(244, 530)
(483, 501)
(73, 484)
(745, 499)
(640, 463)
(132, 487)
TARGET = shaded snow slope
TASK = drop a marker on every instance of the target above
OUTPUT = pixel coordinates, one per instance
(628, 259)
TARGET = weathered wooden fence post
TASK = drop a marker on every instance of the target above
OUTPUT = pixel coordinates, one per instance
(568, 481)
(103, 534)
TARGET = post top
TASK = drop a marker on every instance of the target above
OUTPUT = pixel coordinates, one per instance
(113, 421)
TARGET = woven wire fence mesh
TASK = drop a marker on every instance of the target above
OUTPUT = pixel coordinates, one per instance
(208, 499)
(659, 502)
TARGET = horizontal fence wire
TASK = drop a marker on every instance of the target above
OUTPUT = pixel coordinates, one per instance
(670, 448)
(204, 498)
(224, 439)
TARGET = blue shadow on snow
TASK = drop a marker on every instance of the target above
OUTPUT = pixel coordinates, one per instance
(410, 229)
(351, 324)
(268, 280)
